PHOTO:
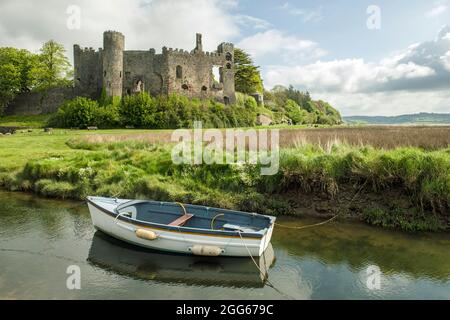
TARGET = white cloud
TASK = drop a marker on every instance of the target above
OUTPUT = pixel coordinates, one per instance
(415, 79)
(349, 75)
(437, 10)
(149, 24)
(446, 60)
(250, 21)
(275, 43)
(314, 15)
(387, 103)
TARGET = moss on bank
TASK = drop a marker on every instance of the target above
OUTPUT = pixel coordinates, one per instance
(421, 179)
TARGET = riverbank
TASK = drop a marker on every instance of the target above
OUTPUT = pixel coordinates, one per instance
(405, 188)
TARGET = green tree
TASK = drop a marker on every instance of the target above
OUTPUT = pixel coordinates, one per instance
(54, 68)
(247, 76)
(16, 73)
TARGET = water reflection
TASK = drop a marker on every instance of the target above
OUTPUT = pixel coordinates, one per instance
(125, 259)
(422, 255)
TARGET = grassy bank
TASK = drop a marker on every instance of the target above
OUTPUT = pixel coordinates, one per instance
(406, 188)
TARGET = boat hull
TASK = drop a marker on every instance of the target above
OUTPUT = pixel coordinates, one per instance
(178, 241)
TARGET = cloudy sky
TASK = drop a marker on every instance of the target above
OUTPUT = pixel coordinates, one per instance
(377, 57)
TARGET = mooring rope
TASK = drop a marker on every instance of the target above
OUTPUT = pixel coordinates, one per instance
(326, 221)
(182, 206)
(270, 284)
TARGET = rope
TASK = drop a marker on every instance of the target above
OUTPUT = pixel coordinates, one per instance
(310, 225)
(182, 206)
(327, 221)
(261, 272)
(214, 219)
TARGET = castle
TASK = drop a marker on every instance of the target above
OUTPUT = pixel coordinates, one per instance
(120, 72)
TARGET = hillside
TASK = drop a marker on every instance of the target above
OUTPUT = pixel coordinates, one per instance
(419, 118)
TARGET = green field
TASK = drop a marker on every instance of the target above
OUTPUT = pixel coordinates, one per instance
(406, 188)
(36, 121)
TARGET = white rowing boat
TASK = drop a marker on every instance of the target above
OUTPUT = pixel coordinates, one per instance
(180, 228)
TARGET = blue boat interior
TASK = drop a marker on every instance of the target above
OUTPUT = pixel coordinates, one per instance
(193, 216)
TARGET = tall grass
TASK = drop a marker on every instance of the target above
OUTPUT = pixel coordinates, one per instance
(139, 169)
(379, 137)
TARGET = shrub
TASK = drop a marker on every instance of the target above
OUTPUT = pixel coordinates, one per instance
(138, 110)
(407, 220)
(83, 112)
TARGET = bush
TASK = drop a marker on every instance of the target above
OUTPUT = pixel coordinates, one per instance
(83, 112)
(138, 110)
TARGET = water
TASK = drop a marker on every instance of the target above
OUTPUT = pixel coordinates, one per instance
(40, 238)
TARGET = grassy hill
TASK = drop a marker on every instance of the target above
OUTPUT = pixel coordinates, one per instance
(419, 118)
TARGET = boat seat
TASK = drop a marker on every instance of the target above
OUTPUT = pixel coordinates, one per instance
(181, 220)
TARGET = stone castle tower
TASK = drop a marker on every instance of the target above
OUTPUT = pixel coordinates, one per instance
(119, 72)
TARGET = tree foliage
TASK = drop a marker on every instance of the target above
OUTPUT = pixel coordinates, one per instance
(23, 71)
(299, 107)
(247, 76)
(54, 68)
(17, 73)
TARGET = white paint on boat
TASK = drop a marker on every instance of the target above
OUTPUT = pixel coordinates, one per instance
(178, 240)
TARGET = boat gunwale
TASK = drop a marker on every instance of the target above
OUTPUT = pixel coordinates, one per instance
(185, 230)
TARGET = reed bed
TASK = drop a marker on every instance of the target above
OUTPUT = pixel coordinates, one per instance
(380, 137)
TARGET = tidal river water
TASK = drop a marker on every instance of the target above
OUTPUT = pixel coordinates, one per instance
(41, 238)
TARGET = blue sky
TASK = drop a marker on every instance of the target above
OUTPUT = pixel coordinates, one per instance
(321, 46)
(339, 26)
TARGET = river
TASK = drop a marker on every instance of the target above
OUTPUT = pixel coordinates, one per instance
(41, 238)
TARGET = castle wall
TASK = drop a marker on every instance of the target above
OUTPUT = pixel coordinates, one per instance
(87, 70)
(143, 71)
(32, 103)
(196, 78)
(194, 75)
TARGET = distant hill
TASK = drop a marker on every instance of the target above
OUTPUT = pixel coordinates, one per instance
(419, 118)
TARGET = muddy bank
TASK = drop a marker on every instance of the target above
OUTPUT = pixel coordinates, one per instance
(390, 209)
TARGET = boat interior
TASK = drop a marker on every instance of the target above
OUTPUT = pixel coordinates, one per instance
(192, 216)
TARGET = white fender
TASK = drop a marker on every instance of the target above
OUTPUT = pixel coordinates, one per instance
(146, 234)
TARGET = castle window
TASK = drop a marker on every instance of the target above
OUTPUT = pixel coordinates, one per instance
(179, 72)
(204, 88)
(185, 86)
(226, 100)
(228, 56)
(120, 76)
(216, 73)
(104, 74)
(228, 65)
(139, 86)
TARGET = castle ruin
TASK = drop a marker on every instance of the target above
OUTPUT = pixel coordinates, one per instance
(123, 72)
